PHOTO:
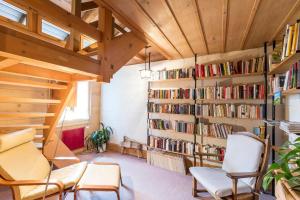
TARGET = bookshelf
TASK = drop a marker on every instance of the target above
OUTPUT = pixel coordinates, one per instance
(200, 140)
(284, 66)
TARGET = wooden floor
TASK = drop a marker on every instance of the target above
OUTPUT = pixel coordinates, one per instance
(142, 181)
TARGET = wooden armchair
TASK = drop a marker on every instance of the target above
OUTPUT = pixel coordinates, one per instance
(25, 169)
(242, 171)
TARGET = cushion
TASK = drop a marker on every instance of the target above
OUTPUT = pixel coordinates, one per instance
(24, 162)
(243, 154)
(101, 175)
(216, 182)
(69, 176)
(10, 140)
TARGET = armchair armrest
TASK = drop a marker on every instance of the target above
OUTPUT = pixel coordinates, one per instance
(64, 158)
(207, 154)
(105, 163)
(58, 183)
(238, 175)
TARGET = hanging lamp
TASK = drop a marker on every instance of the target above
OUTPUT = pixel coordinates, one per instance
(146, 73)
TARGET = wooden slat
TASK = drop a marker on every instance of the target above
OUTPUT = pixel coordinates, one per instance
(25, 114)
(36, 126)
(29, 83)
(225, 9)
(8, 99)
(58, 15)
(285, 64)
(32, 51)
(88, 5)
(6, 62)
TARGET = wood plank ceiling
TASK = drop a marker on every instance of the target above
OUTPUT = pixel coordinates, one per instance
(181, 28)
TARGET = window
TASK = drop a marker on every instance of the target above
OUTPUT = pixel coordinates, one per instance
(86, 41)
(54, 31)
(81, 112)
(13, 13)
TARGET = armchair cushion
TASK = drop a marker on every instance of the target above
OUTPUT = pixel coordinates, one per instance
(216, 182)
(69, 176)
(243, 154)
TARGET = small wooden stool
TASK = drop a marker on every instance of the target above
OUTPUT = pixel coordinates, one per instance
(132, 144)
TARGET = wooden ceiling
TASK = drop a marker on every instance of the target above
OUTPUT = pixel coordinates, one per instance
(181, 28)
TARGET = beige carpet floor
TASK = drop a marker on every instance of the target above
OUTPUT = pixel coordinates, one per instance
(142, 182)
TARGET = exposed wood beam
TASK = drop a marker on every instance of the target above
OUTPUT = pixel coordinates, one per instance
(180, 28)
(6, 62)
(58, 15)
(29, 83)
(137, 31)
(249, 23)
(225, 12)
(119, 28)
(90, 50)
(25, 114)
(88, 5)
(147, 15)
(10, 99)
(11, 126)
(95, 24)
(32, 51)
(202, 33)
(75, 35)
(140, 57)
(42, 73)
(285, 20)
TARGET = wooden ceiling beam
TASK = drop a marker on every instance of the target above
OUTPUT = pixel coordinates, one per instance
(249, 23)
(225, 11)
(285, 20)
(136, 30)
(202, 33)
(147, 15)
(6, 62)
(140, 57)
(119, 28)
(88, 5)
(32, 51)
(58, 15)
(180, 28)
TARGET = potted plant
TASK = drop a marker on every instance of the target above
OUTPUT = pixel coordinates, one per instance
(99, 138)
(287, 167)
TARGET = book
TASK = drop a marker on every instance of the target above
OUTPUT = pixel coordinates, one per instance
(187, 109)
(292, 77)
(259, 131)
(214, 149)
(291, 42)
(179, 93)
(217, 130)
(277, 98)
(160, 124)
(174, 74)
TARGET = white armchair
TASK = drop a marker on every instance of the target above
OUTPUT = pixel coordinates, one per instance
(241, 174)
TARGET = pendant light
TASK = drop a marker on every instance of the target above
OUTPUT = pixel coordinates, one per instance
(146, 73)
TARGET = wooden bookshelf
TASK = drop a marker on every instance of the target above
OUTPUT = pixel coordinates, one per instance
(218, 138)
(234, 118)
(231, 101)
(184, 115)
(285, 64)
(172, 80)
(171, 131)
(290, 92)
(231, 76)
(173, 152)
(177, 101)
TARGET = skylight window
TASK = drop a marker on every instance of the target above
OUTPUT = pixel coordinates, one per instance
(12, 12)
(87, 41)
(54, 31)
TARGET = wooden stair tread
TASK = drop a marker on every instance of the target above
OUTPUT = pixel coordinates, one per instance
(36, 126)
(25, 114)
(30, 83)
(7, 99)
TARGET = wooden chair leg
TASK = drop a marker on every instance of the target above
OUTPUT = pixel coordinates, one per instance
(194, 187)
(118, 195)
(75, 194)
(234, 189)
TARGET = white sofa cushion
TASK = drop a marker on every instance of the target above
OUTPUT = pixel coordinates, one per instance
(243, 154)
(216, 182)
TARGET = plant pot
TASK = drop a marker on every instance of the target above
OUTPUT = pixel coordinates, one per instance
(103, 149)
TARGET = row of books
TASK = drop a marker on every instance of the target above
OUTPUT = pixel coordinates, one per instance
(186, 109)
(160, 124)
(230, 110)
(174, 73)
(254, 65)
(276, 83)
(260, 131)
(291, 42)
(246, 91)
(214, 130)
(184, 127)
(214, 149)
(168, 144)
(179, 93)
(292, 77)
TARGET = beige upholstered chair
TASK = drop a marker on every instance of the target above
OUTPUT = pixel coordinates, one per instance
(241, 174)
(25, 169)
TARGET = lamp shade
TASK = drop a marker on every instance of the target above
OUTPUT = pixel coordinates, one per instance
(145, 73)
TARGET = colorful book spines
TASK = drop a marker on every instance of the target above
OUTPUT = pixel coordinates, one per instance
(291, 41)
(174, 74)
(214, 149)
(292, 77)
(184, 127)
(186, 109)
(160, 124)
(214, 130)
(172, 94)
(254, 65)
(240, 111)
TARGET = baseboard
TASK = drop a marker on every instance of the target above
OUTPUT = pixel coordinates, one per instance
(117, 148)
